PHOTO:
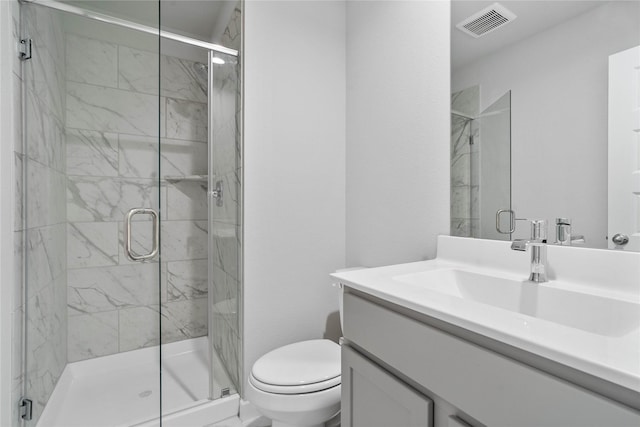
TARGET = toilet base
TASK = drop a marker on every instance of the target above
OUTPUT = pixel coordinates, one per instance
(281, 424)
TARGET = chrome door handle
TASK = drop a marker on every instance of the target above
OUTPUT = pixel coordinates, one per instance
(620, 239)
(512, 221)
(127, 234)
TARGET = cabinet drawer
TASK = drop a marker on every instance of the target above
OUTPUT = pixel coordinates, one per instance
(491, 388)
(372, 397)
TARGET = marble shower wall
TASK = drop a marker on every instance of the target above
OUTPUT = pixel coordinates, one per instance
(465, 140)
(17, 307)
(113, 164)
(226, 233)
(40, 217)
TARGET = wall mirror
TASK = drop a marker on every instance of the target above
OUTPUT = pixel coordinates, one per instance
(546, 118)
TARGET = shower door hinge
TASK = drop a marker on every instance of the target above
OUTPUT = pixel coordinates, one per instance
(26, 409)
(25, 49)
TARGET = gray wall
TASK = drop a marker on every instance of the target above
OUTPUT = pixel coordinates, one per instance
(294, 145)
(398, 130)
(361, 120)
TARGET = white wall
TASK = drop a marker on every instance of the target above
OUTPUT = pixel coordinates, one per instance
(294, 170)
(558, 80)
(390, 65)
(398, 130)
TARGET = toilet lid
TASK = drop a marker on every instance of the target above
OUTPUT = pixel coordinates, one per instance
(301, 364)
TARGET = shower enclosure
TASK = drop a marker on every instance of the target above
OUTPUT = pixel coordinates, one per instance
(130, 175)
(480, 165)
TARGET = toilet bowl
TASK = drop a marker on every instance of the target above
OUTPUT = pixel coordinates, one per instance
(298, 384)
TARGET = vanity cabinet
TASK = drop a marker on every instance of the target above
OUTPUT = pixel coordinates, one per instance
(378, 399)
(401, 370)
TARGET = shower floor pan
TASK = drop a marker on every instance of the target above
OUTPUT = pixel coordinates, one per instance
(123, 390)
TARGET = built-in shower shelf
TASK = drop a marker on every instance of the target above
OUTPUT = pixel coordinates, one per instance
(186, 178)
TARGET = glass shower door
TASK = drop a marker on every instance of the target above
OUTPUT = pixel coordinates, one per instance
(491, 169)
(92, 200)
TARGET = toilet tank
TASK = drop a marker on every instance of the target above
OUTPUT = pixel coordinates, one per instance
(341, 292)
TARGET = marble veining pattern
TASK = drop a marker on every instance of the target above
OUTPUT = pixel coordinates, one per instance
(91, 61)
(467, 101)
(464, 142)
(40, 215)
(179, 78)
(187, 279)
(92, 335)
(112, 110)
(17, 304)
(226, 228)
(184, 319)
(44, 189)
(139, 327)
(183, 79)
(92, 290)
(45, 134)
(92, 244)
(100, 199)
(186, 120)
(92, 153)
(118, 153)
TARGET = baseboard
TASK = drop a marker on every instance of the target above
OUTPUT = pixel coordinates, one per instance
(250, 417)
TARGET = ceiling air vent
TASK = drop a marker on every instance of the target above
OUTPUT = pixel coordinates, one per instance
(487, 20)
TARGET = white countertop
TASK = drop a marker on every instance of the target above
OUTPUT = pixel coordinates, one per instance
(604, 273)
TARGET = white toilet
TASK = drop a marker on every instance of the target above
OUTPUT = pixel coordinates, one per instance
(298, 385)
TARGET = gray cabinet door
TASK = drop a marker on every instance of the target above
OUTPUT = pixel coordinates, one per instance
(372, 397)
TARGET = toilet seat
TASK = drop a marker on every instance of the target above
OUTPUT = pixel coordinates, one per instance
(302, 367)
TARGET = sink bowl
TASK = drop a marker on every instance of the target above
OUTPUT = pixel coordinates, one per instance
(592, 313)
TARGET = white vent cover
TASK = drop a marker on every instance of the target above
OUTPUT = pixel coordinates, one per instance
(487, 20)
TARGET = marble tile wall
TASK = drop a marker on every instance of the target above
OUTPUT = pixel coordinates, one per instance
(464, 155)
(40, 217)
(226, 229)
(114, 162)
(17, 379)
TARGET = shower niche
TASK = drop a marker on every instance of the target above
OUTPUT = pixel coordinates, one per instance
(130, 222)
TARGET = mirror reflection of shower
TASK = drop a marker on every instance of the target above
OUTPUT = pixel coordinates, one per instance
(480, 163)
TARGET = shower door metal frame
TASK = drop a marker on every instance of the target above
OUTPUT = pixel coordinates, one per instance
(65, 7)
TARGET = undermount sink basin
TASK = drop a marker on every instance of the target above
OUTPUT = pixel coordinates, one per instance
(591, 313)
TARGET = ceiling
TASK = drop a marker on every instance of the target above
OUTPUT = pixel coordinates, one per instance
(200, 19)
(532, 18)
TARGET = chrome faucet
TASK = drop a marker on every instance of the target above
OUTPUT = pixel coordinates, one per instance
(564, 236)
(538, 245)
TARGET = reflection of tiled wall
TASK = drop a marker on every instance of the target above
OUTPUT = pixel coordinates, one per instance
(464, 189)
(112, 165)
(42, 207)
(17, 303)
(226, 224)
